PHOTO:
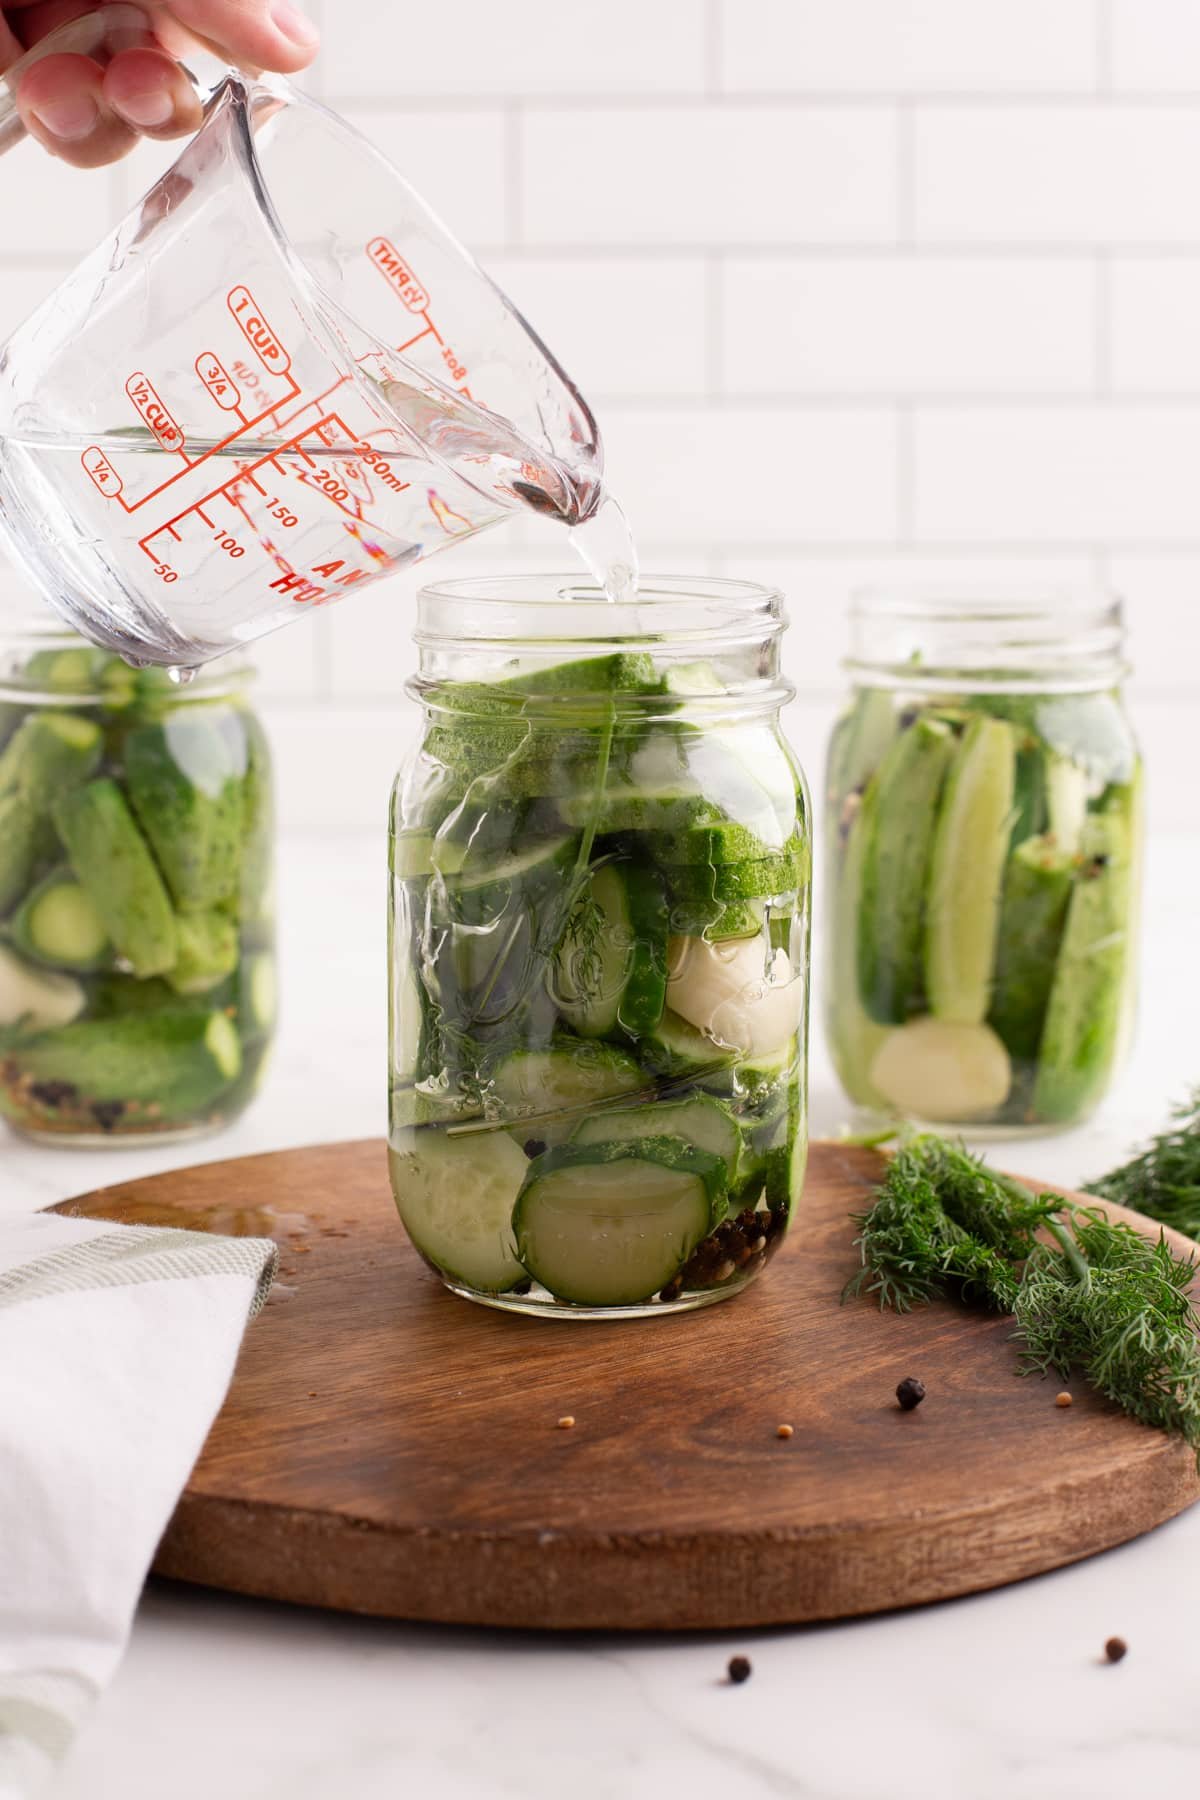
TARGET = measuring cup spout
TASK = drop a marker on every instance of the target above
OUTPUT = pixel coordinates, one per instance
(244, 404)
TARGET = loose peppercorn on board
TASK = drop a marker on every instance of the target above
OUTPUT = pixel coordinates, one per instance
(388, 1448)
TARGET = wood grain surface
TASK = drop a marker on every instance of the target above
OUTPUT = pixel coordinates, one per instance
(388, 1448)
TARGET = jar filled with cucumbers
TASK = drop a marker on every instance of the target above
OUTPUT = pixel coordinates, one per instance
(984, 825)
(137, 972)
(600, 861)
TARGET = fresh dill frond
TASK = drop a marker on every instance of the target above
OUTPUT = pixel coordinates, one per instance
(1098, 1297)
(1164, 1180)
(944, 1222)
(1115, 1305)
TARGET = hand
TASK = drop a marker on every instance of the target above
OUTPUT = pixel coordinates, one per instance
(91, 112)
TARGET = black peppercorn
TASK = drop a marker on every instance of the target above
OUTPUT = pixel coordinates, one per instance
(534, 1146)
(910, 1393)
(1115, 1649)
(739, 1669)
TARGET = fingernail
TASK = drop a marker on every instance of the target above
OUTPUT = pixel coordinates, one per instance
(293, 24)
(73, 117)
(147, 110)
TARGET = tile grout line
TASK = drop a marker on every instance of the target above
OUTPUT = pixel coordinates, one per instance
(713, 49)
(714, 325)
(906, 177)
(1104, 48)
(1102, 298)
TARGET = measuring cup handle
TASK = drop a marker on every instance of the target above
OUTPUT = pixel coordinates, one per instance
(109, 28)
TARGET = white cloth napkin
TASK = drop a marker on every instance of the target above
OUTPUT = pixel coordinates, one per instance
(117, 1344)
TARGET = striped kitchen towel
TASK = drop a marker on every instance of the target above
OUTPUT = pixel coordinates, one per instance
(117, 1345)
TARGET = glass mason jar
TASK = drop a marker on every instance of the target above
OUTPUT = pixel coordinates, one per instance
(137, 972)
(600, 861)
(984, 823)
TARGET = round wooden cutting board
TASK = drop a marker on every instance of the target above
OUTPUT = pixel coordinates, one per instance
(388, 1448)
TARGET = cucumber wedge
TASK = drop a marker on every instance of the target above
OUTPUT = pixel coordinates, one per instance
(58, 925)
(966, 873)
(33, 1000)
(1037, 890)
(861, 739)
(187, 784)
(110, 857)
(854, 1036)
(898, 820)
(455, 1196)
(1082, 1029)
(609, 1224)
(1066, 803)
(610, 969)
(175, 1063)
(555, 1087)
(699, 1120)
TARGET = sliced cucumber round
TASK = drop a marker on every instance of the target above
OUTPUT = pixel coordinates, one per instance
(699, 1120)
(610, 968)
(609, 1224)
(966, 872)
(58, 925)
(557, 1085)
(455, 1196)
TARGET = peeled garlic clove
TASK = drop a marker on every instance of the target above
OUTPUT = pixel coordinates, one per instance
(933, 1069)
(738, 991)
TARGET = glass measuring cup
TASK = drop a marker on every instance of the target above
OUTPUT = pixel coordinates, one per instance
(246, 403)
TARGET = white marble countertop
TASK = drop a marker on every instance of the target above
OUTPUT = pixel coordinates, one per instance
(1000, 1697)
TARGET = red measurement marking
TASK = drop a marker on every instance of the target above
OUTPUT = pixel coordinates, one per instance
(397, 271)
(219, 383)
(262, 340)
(101, 471)
(151, 408)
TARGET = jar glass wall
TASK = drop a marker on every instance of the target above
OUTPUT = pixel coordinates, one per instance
(600, 861)
(984, 825)
(137, 969)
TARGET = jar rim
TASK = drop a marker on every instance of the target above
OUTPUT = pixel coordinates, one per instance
(27, 630)
(711, 610)
(1012, 639)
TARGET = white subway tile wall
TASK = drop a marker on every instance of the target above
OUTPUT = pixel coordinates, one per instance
(864, 291)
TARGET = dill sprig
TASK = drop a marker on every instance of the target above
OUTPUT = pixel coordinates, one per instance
(1113, 1304)
(1097, 1297)
(1164, 1180)
(944, 1222)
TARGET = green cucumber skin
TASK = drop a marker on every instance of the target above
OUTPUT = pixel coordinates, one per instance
(899, 819)
(1082, 1030)
(186, 782)
(258, 822)
(861, 739)
(1029, 796)
(110, 857)
(162, 1061)
(1037, 892)
(730, 883)
(26, 838)
(48, 754)
(207, 955)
